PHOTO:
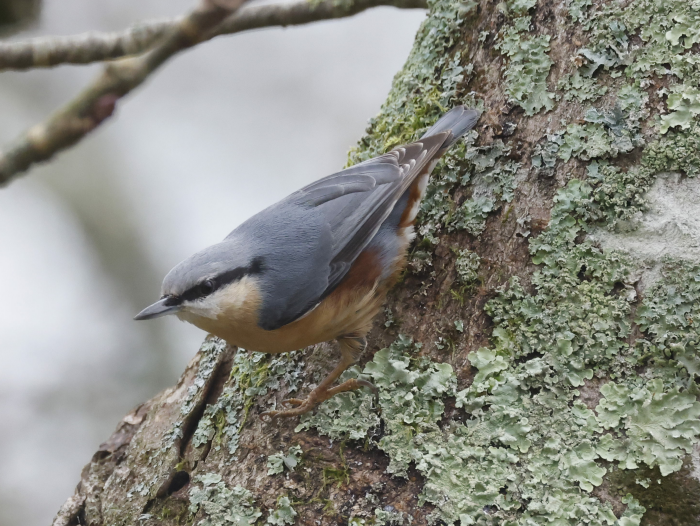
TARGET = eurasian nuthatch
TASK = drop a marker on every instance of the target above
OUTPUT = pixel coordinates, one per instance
(317, 265)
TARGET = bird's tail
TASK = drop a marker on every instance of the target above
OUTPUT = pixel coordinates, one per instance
(458, 120)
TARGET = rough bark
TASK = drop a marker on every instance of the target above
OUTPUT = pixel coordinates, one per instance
(537, 364)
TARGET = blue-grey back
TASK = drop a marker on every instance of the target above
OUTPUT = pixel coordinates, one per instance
(303, 239)
(302, 247)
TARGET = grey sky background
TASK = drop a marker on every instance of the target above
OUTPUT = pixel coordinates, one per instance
(218, 134)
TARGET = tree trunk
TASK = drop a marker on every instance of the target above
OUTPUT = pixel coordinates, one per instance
(538, 363)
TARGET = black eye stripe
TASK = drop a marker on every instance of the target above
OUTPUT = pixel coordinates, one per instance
(208, 286)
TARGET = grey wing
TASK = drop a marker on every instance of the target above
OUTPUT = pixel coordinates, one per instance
(353, 233)
(353, 204)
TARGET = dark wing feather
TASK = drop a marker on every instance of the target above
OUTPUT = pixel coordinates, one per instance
(363, 177)
(378, 183)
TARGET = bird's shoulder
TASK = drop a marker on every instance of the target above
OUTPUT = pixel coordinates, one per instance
(311, 239)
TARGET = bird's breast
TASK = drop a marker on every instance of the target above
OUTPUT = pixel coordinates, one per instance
(230, 313)
(349, 309)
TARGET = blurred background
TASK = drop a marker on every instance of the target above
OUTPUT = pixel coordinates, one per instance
(218, 134)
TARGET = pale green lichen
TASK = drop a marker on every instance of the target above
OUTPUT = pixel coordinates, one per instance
(279, 461)
(660, 423)
(667, 31)
(578, 8)
(222, 506)
(502, 440)
(670, 315)
(455, 460)
(580, 88)
(283, 514)
(652, 418)
(528, 67)
(518, 7)
(684, 102)
(606, 59)
(607, 134)
(546, 345)
(410, 399)
(493, 180)
(345, 416)
(253, 375)
(545, 154)
(493, 174)
(350, 415)
(391, 518)
(619, 195)
(634, 512)
(654, 426)
(471, 215)
(676, 152)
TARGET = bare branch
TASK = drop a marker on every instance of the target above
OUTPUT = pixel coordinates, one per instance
(97, 102)
(304, 12)
(91, 107)
(44, 52)
(95, 47)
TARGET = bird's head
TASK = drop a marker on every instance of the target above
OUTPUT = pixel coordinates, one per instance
(216, 281)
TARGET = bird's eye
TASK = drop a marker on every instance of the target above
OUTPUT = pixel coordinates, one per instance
(206, 287)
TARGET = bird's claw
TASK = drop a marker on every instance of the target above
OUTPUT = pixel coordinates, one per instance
(375, 391)
(268, 416)
(299, 407)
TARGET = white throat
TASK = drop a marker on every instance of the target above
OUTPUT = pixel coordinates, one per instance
(231, 298)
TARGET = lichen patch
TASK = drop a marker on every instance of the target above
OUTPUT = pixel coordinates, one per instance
(670, 226)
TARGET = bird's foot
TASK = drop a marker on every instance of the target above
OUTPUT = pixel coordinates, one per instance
(316, 397)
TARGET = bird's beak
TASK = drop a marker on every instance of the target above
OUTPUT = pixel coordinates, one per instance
(160, 308)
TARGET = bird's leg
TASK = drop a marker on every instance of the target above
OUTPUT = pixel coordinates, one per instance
(351, 347)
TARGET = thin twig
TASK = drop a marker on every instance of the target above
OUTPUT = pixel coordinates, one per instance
(90, 47)
(96, 103)
(91, 107)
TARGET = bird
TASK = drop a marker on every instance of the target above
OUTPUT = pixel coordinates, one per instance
(317, 265)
